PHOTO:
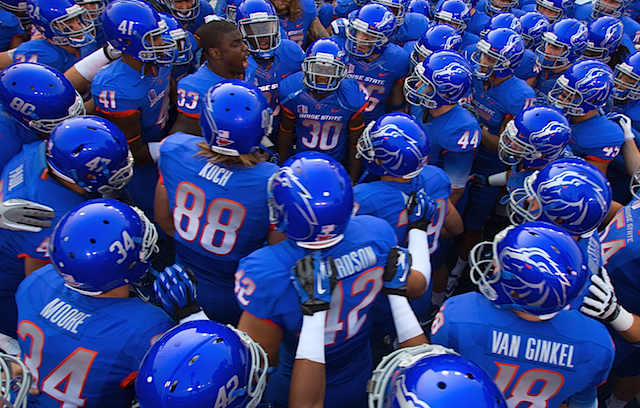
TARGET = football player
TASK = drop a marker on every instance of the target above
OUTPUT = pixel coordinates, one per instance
(68, 32)
(186, 62)
(34, 99)
(13, 14)
(437, 37)
(579, 93)
(409, 26)
(226, 56)
(457, 14)
(589, 12)
(516, 328)
(534, 24)
(212, 194)
(605, 38)
(311, 201)
(299, 19)
(191, 13)
(326, 109)
(553, 10)
(81, 335)
(133, 91)
(83, 155)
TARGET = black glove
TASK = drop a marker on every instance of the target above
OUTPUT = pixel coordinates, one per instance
(314, 280)
(397, 271)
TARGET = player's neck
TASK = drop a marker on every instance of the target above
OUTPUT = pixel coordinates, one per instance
(559, 70)
(441, 110)
(122, 293)
(320, 95)
(73, 187)
(585, 117)
(67, 48)
(497, 81)
(137, 65)
(527, 316)
(396, 179)
(221, 70)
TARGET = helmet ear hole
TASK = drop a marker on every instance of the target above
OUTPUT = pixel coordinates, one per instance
(174, 384)
(442, 385)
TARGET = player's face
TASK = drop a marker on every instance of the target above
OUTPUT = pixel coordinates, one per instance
(260, 34)
(364, 41)
(423, 88)
(323, 73)
(608, 6)
(183, 4)
(234, 52)
(551, 15)
(71, 25)
(553, 50)
(449, 23)
(487, 62)
(281, 6)
(502, 5)
(624, 82)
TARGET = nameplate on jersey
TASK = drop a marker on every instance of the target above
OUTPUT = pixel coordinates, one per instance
(16, 177)
(355, 261)
(535, 349)
(65, 317)
(215, 174)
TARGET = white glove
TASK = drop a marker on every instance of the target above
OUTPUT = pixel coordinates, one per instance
(602, 303)
(111, 53)
(23, 215)
(625, 124)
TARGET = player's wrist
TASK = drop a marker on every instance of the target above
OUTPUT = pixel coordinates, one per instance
(621, 320)
(311, 342)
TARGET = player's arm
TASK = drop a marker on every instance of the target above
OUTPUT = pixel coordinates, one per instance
(316, 30)
(489, 140)
(130, 126)
(453, 225)
(81, 74)
(396, 97)
(186, 124)
(267, 334)
(162, 209)
(457, 165)
(285, 133)
(6, 58)
(356, 126)
(420, 209)
(584, 399)
(532, 81)
(274, 236)
(17, 40)
(598, 163)
(32, 264)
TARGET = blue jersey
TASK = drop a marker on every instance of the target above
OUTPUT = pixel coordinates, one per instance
(631, 109)
(587, 141)
(12, 137)
(414, 26)
(545, 81)
(54, 56)
(10, 28)
(236, 220)
(388, 200)
(378, 76)
(454, 137)
(322, 124)
(193, 88)
(83, 350)
(26, 176)
(325, 14)
(478, 21)
(205, 10)
(468, 39)
(526, 69)
(119, 90)
(264, 290)
(297, 30)
(539, 364)
(583, 13)
(344, 7)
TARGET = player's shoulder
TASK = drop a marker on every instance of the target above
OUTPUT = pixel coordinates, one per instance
(290, 52)
(465, 308)
(577, 327)
(198, 80)
(309, 7)
(31, 155)
(517, 92)
(117, 76)
(179, 142)
(360, 226)
(396, 59)
(8, 20)
(352, 94)
(48, 54)
(590, 132)
(434, 178)
(292, 84)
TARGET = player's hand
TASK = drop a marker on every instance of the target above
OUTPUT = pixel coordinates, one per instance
(111, 53)
(23, 215)
(479, 180)
(176, 290)
(625, 124)
(601, 303)
(420, 209)
(396, 272)
(314, 280)
(339, 27)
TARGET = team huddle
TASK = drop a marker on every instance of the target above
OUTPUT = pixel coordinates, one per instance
(340, 203)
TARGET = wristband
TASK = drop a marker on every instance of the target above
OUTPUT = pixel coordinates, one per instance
(195, 316)
(623, 321)
(405, 320)
(498, 179)
(311, 341)
(154, 151)
(419, 250)
(89, 66)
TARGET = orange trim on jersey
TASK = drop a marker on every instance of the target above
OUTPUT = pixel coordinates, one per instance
(450, 207)
(360, 111)
(357, 127)
(400, 80)
(128, 380)
(121, 114)
(267, 321)
(285, 130)
(189, 114)
(273, 227)
(160, 179)
(287, 112)
(133, 139)
(597, 159)
(24, 256)
(45, 174)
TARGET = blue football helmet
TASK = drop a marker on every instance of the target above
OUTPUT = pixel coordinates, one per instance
(537, 268)
(635, 184)
(101, 245)
(503, 20)
(63, 22)
(441, 79)
(177, 33)
(235, 118)
(601, 8)
(143, 27)
(570, 193)
(556, 10)
(323, 66)
(369, 30)
(534, 24)
(570, 36)
(437, 37)
(38, 97)
(421, 7)
(605, 36)
(185, 14)
(94, 8)
(398, 7)
(192, 362)
(19, 8)
(626, 79)
(535, 137)
(585, 86)
(394, 145)
(493, 7)
(310, 200)
(14, 388)
(455, 13)
(260, 27)
(231, 9)
(499, 53)
(91, 152)
(432, 376)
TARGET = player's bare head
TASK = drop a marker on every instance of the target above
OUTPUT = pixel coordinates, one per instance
(289, 7)
(224, 48)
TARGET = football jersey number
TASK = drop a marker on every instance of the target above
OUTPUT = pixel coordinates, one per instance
(73, 370)
(190, 201)
(191, 96)
(23, 58)
(373, 101)
(464, 141)
(370, 280)
(549, 383)
(435, 227)
(611, 247)
(323, 135)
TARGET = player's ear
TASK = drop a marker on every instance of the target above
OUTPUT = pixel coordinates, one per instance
(214, 53)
